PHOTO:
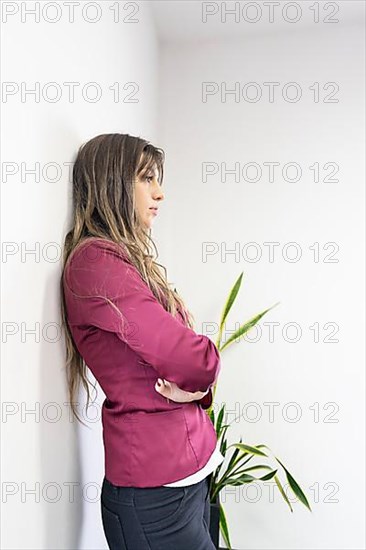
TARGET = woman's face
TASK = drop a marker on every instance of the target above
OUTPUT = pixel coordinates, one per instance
(148, 195)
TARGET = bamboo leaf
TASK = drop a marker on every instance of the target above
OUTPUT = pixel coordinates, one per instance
(295, 486)
(257, 467)
(220, 484)
(278, 483)
(227, 306)
(246, 327)
(234, 455)
(219, 420)
(223, 440)
(248, 449)
(243, 478)
(212, 416)
(234, 462)
(268, 476)
(240, 462)
(292, 482)
(223, 527)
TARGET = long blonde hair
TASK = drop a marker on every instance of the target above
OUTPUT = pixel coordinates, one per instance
(103, 181)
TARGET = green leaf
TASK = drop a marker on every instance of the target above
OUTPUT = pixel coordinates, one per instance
(268, 476)
(234, 462)
(223, 430)
(223, 440)
(220, 484)
(278, 483)
(292, 482)
(223, 527)
(248, 449)
(246, 327)
(219, 420)
(234, 455)
(227, 306)
(257, 467)
(243, 478)
(240, 462)
(295, 486)
(212, 416)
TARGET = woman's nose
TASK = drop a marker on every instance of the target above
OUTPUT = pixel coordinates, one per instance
(158, 192)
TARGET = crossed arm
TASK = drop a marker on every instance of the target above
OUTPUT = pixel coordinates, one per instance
(114, 297)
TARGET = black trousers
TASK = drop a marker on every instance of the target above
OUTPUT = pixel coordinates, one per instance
(157, 518)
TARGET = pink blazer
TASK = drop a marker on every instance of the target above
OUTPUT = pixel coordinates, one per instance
(128, 340)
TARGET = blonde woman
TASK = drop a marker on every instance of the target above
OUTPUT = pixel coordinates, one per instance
(124, 322)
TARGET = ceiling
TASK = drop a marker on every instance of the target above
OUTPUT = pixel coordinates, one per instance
(182, 20)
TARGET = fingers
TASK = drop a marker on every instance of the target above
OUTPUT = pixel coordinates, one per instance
(162, 387)
(159, 386)
(171, 391)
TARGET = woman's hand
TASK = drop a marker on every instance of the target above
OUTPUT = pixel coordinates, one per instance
(170, 390)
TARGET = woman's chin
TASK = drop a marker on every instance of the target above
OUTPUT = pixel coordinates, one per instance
(148, 225)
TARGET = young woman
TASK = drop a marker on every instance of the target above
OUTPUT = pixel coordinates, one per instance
(123, 321)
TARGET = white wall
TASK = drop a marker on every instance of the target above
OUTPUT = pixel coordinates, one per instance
(36, 451)
(326, 455)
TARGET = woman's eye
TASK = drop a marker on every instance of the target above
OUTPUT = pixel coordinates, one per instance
(150, 177)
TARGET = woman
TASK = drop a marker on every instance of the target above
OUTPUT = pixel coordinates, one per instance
(123, 321)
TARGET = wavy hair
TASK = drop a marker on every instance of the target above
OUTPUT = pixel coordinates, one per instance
(103, 193)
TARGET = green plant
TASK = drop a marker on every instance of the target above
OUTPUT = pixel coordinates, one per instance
(236, 471)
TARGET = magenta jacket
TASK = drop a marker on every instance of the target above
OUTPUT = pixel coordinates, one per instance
(128, 340)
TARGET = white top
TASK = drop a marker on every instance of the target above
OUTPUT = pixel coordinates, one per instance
(215, 459)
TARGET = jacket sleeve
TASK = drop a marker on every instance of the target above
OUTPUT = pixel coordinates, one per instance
(114, 297)
(206, 400)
